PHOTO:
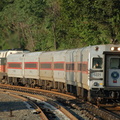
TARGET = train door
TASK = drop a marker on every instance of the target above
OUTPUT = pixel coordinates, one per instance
(112, 70)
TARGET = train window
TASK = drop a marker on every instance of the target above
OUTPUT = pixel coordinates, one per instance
(14, 65)
(97, 63)
(31, 65)
(58, 66)
(115, 63)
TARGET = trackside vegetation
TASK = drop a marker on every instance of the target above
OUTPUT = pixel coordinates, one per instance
(58, 24)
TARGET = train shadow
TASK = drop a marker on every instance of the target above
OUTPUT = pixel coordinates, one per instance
(14, 105)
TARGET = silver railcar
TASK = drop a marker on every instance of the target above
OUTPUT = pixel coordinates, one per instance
(90, 72)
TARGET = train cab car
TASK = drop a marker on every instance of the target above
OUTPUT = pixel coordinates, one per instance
(104, 71)
(112, 71)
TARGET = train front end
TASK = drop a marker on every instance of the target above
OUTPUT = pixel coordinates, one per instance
(112, 72)
(104, 66)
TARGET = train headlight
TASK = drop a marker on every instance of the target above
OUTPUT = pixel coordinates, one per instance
(118, 48)
(112, 48)
(115, 48)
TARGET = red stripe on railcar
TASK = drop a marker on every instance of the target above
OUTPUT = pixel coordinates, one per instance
(46, 69)
(59, 62)
(59, 69)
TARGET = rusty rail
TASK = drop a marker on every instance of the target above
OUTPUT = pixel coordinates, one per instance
(25, 89)
(38, 110)
(102, 113)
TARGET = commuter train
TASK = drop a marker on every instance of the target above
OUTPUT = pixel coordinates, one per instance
(91, 72)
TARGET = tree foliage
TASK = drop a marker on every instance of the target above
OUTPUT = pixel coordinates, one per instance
(58, 24)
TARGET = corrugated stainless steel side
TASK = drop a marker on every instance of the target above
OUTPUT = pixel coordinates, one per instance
(46, 66)
(16, 68)
(31, 62)
(71, 67)
(59, 72)
(82, 76)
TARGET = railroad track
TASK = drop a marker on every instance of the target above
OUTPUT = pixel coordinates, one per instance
(85, 108)
(29, 103)
(48, 111)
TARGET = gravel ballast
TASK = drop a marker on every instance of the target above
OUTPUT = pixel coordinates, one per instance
(12, 108)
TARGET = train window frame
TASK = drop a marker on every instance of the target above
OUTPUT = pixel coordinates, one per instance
(117, 65)
(97, 63)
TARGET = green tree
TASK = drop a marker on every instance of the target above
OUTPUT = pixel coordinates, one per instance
(90, 21)
(21, 21)
(61, 24)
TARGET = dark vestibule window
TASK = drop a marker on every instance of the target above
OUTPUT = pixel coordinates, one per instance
(70, 66)
(82, 66)
(45, 65)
